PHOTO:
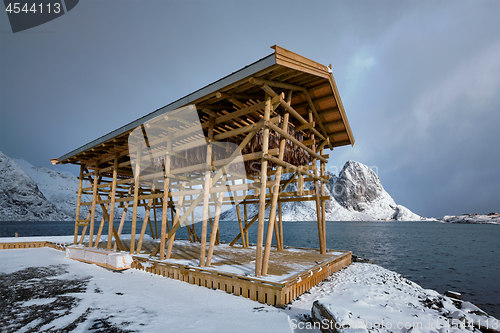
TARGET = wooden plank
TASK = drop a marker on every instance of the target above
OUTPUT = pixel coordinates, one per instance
(239, 113)
(257, 81)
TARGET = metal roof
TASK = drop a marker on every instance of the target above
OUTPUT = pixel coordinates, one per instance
(208, 89)
(337, 122)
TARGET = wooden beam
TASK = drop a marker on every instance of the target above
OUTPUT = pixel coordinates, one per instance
(323, 203)
(136, 199)
(176, 221)
(274, 200)
(78, 200)
(275, 84)
(195, 202)
(112, 203)
(294, 140)
(263, 180)
(144, 224)
(99, 232)
(206, 192)
(94, 201)
(164, 222)
(124, 215)
(304, 126)
(280, 216)
(213, 235)
(322, 247)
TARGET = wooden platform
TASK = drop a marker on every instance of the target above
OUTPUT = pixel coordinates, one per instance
(32, 245)
(292, 271)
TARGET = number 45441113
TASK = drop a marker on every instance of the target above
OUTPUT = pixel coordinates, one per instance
(15, 7)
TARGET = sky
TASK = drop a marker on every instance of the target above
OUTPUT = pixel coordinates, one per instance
(419, 80)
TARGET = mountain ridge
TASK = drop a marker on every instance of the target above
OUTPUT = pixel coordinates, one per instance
(29, 193)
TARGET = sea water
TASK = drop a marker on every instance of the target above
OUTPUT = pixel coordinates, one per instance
(439, 256)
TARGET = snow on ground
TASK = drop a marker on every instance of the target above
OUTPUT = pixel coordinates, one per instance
(78, 297)
(366, 297)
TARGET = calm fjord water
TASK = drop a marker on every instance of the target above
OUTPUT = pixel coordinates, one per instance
(439, 256)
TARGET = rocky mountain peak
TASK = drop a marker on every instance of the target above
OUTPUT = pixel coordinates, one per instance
(357, 186)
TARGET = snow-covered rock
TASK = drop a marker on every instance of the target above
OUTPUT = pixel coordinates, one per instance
(21, 198)
(58, 187)
(370, 298)
(492, 218)
(356, 195)
(29, 193)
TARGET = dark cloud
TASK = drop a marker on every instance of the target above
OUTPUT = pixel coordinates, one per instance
(419, 80)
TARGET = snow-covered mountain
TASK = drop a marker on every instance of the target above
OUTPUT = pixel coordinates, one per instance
(58, 187)
(37, 193)
(29, 193)
(21, 198)
(356, 195)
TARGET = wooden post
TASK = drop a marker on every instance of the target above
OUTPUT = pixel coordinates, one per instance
(84, 231)
(144, 223)
(245, 233)
(213, 235)
(101, 226)
(136, 198)
(238, 212)
(206, 194)
(166, 182)
(176, 220)
(94, 203)
(323, 203)
(149, 219)
(274, 201)
(280, 216)
(112, 203)
(124, 215)
(193, 229)
(155, 202)
(200, 197)
(262, 197)
(78, 200)
(322, 247)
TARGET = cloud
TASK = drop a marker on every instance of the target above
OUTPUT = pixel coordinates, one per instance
(476, 82)
(357, 69)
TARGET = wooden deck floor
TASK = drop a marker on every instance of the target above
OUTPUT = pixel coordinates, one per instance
(281, 263)
(292, 271)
